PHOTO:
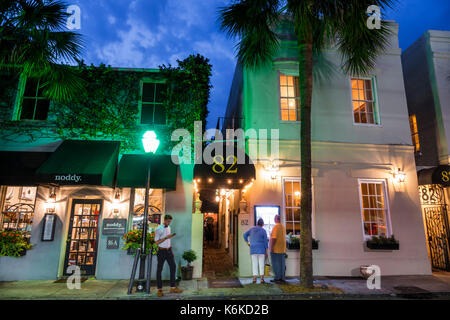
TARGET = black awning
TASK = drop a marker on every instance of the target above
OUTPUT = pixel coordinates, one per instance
(80, 162)
(230, 171)
(133, 171)
(437, 175)
(19, 168)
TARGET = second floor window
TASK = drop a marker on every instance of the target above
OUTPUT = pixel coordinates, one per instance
(289, 98)
(364, 107)
(34, 105)
(153, 111)
(414, 132)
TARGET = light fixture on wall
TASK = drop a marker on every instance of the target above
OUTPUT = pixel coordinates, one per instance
(51, 201)
(116, 202)
(272, 171)
(398, 176)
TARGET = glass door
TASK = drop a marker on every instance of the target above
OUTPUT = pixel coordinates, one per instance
(82, 239)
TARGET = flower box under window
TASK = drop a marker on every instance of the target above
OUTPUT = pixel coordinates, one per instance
(383, 243)
(382, 246)
(295, 245)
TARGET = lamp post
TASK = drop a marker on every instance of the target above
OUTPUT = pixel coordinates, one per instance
(150, 143)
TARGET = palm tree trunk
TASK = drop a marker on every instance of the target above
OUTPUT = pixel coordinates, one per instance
(306, 85)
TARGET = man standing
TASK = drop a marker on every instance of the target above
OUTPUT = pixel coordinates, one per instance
(278, 250)
(162, 239)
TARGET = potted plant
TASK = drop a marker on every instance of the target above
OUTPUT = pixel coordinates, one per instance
(383, 243)
(133, 241)
(14, 243)
(187, 271)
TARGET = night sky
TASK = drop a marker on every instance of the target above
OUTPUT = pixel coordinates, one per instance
(148, 33)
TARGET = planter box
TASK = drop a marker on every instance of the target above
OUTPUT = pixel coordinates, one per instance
(187, 272)
(296, 246)
(382, 246)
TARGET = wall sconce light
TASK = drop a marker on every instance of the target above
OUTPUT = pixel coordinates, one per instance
(272, 171)
(116, 202)
(51, 201)
(398, 176)
(217, 198)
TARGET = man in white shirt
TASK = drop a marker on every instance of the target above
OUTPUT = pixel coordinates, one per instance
(162, 239)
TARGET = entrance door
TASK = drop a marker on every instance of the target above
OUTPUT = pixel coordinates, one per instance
(82, 239)
(436, 220)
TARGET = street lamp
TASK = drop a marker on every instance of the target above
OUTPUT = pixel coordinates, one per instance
(150, 143)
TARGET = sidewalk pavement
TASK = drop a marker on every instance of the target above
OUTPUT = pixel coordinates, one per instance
(392, 287)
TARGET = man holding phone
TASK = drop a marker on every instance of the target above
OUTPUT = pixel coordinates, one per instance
(162, 239)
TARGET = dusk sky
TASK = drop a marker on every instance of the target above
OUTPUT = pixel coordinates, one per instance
(148, 33)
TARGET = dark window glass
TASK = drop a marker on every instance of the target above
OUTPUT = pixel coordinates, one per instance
(160, 114)
(34, 105)
(148, 92)
(41, 109)
(27, 109)
(160, 90)
(147, 114)
(30, 88)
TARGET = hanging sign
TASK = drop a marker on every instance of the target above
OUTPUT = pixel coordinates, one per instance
(114, 227)
(48, 228)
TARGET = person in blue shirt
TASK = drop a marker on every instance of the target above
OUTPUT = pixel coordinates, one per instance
(258, 248)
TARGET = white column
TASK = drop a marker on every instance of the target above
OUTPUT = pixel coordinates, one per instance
(197, 238)
(244, 250)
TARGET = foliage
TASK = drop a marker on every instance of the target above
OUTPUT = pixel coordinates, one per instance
(384, 240)
(34, 41)
(12, 243)
(187, 95)
(189, 256)
(107, 110)
(133, 240)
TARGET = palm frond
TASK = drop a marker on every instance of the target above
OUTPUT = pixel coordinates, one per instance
(359, 45)
(62, 83)
(252, 21)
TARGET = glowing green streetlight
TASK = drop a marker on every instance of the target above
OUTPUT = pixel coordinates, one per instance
(150, 142)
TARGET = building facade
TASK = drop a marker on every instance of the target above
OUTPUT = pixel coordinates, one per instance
(363, 170)
(75, 199)
(426, 70)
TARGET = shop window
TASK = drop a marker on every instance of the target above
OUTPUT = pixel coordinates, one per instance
(17, 208)
(155, 209)
(34, 105)
(414, 132)
(289, 98)
(152, 110)
(374, 208)
(292, 206)
(363, 99)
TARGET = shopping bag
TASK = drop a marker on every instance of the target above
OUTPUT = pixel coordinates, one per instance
(267, 272)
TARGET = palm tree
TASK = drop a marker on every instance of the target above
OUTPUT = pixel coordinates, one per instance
(317, 24)
(33, 41)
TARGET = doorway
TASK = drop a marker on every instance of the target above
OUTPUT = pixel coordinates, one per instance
(82, 238)
(435, 213)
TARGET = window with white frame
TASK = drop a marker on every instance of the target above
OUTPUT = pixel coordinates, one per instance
(363, 99)
(34, 106)
(152, 110)
(292, 205)
(374, 208)
(289, 98)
